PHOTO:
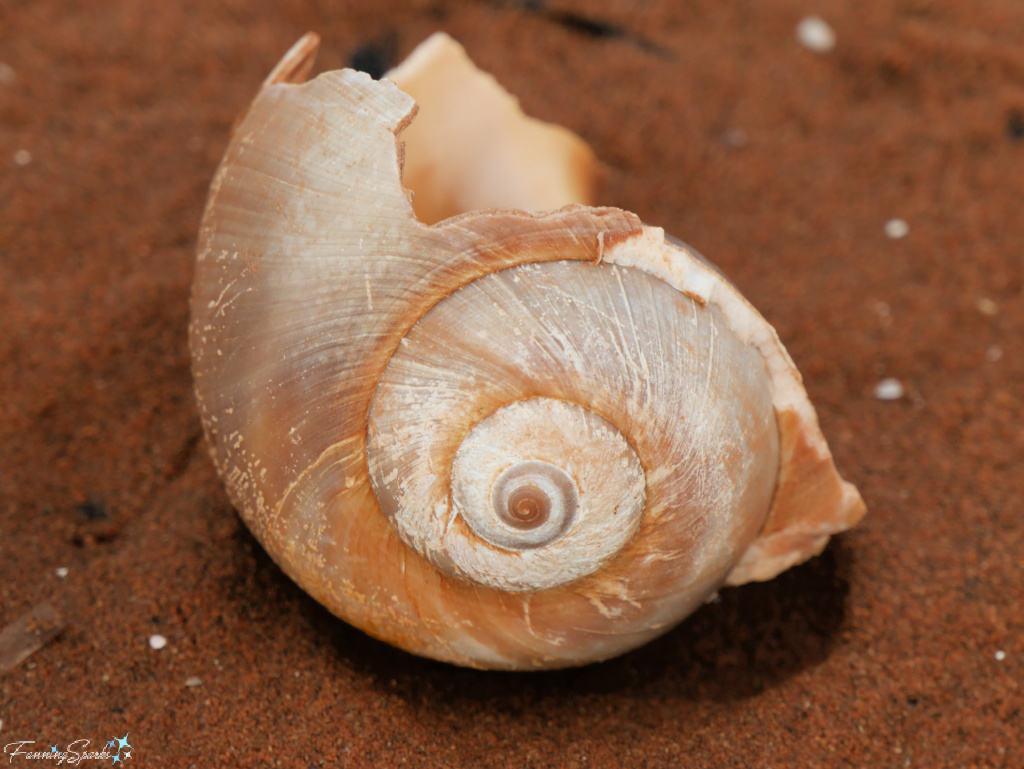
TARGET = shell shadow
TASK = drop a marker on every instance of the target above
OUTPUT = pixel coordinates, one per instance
(750, 638)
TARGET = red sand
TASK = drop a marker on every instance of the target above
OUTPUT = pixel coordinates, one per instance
(900, 646)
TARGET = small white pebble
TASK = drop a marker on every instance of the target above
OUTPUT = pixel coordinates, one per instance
(1000, 655)
(814, 33)
(61, 572)
(157, 641)
(193, 681)
(987, 306)
(22, 157)
(994, 353)
(6, 74)
(896, 229)
(889, 390)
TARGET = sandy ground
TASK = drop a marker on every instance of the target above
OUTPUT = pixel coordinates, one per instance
(900, 646)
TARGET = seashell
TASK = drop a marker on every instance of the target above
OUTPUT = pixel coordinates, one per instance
(495, 438)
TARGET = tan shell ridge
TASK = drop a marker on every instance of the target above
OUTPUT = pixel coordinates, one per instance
(307, 227)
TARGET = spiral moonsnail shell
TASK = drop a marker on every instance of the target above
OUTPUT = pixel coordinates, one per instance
(501, 439)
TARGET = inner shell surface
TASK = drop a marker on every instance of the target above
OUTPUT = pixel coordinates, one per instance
(689, 398)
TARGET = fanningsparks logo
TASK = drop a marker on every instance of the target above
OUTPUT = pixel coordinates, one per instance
(116, 750)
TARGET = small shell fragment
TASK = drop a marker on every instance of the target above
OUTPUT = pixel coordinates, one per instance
(889, 389)
(157, 642)
(896, 229)
(987, 306)
(815, 34)
(28, 634)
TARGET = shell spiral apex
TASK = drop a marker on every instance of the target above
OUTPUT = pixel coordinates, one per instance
(496, 438)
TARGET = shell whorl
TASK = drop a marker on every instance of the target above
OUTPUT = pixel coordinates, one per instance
(419, 423)
(539, 493)
(680, 422)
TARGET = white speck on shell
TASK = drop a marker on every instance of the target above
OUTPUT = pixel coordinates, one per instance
(22, 157)
(157, 642)
(1000, 655)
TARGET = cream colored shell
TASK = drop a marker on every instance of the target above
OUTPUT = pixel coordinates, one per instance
(508, 440)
